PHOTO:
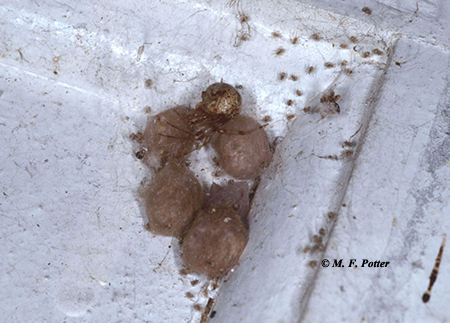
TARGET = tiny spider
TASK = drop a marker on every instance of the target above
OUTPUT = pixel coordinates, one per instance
(310, 70)
(276, 34)
(331, 98)
(316, 37)
(367, 10)
(281, 76)
(376, 51)
(280, 51)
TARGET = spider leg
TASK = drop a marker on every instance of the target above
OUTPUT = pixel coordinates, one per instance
(195, 119)
(187, 133)
(212, 125)
(207, 138)
(172, 137)
(179, 129)
(205, 127)
(169, 136)
(242, 133)
(199, 145)
(209, 131)
(198, 115)
(338, 108)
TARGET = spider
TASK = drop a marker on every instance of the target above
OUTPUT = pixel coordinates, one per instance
(331, 98)
(220, 103)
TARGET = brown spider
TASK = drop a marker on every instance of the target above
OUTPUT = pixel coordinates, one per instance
(220, 103)
(331, 98)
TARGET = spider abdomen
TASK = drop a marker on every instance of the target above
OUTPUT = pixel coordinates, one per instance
(222, 98)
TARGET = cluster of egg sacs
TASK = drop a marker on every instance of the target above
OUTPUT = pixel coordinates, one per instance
(213, 230)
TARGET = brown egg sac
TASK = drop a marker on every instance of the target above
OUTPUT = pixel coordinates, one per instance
(243, 148)
(214, 242)
(234, 194)
(171, 200)
(167, 135)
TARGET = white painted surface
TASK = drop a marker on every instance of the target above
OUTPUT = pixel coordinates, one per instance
(396, 203)
(72, 90)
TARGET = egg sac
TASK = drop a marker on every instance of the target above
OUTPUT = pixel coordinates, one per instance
(214, 242)
(243, 156)
(171, 200)
(168, 135)
(234, 194)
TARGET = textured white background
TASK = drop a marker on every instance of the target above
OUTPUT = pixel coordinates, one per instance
(72, 89)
